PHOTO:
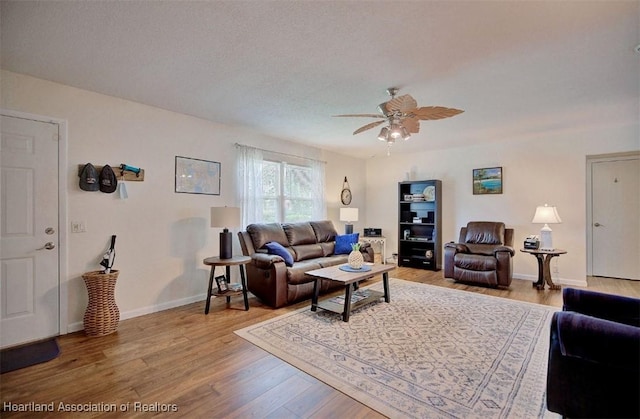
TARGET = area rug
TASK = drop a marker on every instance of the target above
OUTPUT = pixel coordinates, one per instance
(432, 352)
(26, 355)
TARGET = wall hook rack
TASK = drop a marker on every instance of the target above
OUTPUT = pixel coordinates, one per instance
(123, 169)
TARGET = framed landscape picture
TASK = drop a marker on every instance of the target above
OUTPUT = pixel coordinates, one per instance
(197, 176)
(487, 181)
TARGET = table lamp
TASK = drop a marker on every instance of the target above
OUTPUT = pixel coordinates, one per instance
(546, 215)
(225, 217)
(348, 215)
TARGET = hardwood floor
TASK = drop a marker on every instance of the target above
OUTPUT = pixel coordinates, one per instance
(190, 364)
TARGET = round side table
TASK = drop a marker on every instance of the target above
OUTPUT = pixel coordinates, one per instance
(544, 266)
(238, 261)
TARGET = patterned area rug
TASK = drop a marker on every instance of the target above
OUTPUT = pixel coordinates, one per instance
(431, 353)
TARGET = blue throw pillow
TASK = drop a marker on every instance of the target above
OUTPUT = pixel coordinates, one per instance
(344, 242)
(275, 248)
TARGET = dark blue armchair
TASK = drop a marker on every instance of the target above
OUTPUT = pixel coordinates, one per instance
(594, 356)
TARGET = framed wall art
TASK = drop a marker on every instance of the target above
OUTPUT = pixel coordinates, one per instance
(197, 176)
(487, 181)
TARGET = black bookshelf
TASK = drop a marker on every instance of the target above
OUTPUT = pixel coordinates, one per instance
(420, 224)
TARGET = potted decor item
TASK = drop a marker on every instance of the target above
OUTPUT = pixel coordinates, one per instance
(355, 260)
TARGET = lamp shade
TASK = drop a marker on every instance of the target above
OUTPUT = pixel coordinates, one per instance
(546, 215)
(225, 217)
(348, 214)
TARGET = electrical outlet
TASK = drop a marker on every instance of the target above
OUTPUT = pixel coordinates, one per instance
(78, 227)
(555, 269)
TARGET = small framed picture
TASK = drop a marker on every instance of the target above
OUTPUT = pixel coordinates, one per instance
(222, 284)
(487, 181)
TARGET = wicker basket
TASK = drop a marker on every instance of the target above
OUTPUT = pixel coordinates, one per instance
(102, 314)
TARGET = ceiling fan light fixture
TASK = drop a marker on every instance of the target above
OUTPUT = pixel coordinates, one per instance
(396, 131)
(405, 133)
(401, 112)
(384, 134)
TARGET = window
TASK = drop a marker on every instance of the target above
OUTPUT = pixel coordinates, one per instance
(287, 192)
(275, 187)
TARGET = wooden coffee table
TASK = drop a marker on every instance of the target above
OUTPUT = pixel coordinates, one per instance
(349, 279)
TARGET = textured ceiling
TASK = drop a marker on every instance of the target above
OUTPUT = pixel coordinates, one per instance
(283, 68)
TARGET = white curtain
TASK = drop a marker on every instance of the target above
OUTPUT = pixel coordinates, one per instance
(319, 204)
(250, 184)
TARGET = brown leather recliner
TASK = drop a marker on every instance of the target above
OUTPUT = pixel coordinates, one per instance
(483, 254)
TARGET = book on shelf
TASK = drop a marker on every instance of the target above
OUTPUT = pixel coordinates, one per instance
(231, 287)
(235, 286)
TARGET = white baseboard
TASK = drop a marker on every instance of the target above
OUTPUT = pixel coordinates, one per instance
(561, 281)
(77, 326)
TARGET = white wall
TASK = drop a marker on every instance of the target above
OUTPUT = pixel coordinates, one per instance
(162, 236)
(550, 168)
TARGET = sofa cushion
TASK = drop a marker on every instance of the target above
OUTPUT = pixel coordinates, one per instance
(307, 251)
(344, 242)
(483, 249)
(333, 260)
(296, 274)
(598, 340)
(483, 232)
(262, 234)
(475, 262)
(275, 248)
(299, 233)
(325, 231)
(328, 248)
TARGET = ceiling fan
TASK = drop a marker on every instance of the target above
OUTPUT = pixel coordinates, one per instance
(402, 116)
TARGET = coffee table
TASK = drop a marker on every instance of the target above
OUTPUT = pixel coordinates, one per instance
(350, 280)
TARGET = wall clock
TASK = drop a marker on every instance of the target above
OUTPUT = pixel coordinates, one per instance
(345, 195)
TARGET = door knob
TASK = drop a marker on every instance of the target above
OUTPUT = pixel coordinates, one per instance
(597, 224)
(47, 246)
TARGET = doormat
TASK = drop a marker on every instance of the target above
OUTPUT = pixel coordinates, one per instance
(12, 359)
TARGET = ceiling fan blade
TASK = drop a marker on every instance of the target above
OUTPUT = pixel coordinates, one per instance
(402, 103)
(434, 112)
(366, 127)
(368, 115)
(411, 124)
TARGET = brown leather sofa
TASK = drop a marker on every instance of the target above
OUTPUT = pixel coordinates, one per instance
(311, 244)
(483, 254)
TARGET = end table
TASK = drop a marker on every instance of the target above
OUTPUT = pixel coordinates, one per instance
(544, 266)
(382, 241)
(239, 261)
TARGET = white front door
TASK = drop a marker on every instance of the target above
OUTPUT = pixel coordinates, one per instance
(615, 220)
(29, 248)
